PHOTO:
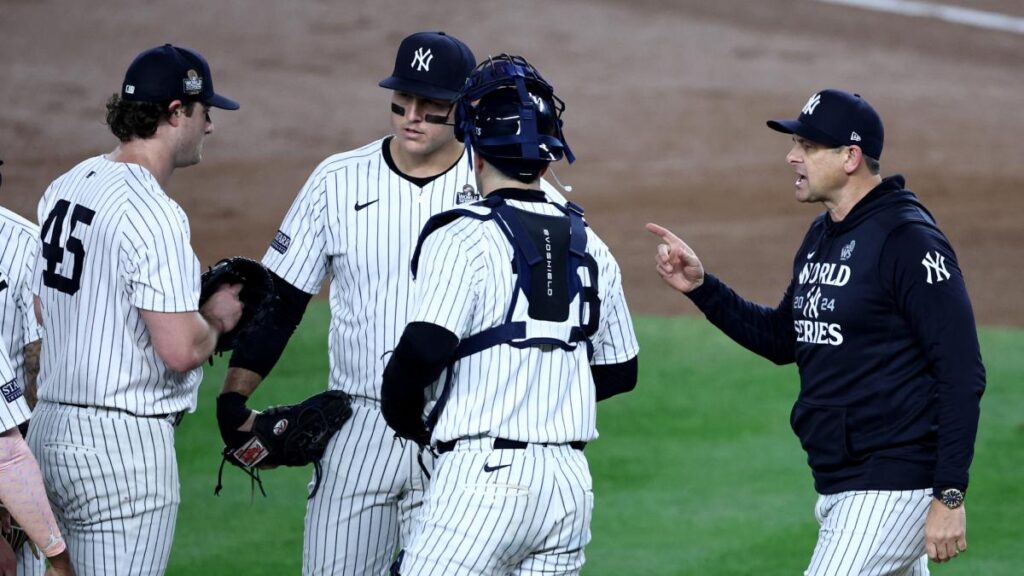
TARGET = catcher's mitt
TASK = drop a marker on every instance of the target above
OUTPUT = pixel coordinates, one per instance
(293, 435)
(257, 294)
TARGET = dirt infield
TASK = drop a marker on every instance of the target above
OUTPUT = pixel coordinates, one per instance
(666, 107)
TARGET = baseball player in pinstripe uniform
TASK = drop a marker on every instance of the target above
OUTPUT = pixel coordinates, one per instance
(118, 285)
(21, 484)
(878, 320)
(356, 220)
(19, 244)
(522, 303)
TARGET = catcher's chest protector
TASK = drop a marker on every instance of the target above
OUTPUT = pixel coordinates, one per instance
(555, 300)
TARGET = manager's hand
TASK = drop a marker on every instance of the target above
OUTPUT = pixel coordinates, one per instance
(677, 263)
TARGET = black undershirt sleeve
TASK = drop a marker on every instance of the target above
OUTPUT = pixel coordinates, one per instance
(423, 352)
(612, 379)
(260, 349)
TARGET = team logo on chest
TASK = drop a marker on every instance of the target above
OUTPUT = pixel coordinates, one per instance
(848, 250)
(467, 194)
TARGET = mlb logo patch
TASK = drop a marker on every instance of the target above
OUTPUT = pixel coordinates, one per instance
(12, 391)
(281, 242)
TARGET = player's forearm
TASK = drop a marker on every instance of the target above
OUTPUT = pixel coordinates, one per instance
(241, 380)
(23, 494)
(31, 354)
(183, 340)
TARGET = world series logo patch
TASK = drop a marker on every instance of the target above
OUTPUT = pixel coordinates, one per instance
(12, 391)
(467, 194)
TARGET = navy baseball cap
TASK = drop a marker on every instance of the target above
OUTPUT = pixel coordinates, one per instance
(431, 64)
(168, 73)
(837, 118)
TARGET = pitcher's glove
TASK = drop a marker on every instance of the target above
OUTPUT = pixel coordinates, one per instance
(257, 295)
(294, 435)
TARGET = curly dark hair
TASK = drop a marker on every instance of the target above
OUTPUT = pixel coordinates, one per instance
(128, 120)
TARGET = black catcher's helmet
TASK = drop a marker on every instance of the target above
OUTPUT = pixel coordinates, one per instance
(507, 111)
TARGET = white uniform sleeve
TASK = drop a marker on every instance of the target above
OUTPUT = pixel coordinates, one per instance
(162, 270)
(615, 340)
(447, 282)
(298, 252)
(31, 330)
(13, 408)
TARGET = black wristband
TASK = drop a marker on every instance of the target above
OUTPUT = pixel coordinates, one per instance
(232, 413)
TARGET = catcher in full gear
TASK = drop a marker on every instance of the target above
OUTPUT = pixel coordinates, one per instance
(522, 304)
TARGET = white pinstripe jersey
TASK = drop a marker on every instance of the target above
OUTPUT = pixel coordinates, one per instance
(358, 220)
(13, 407)
(535, 394)
(19, 245)
(113, 244)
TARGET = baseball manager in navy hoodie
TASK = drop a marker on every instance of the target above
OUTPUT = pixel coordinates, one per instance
(878, 321)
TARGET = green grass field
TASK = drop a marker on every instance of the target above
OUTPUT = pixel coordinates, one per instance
(696, 472)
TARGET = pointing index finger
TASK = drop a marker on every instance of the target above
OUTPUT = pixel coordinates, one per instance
(662, 232)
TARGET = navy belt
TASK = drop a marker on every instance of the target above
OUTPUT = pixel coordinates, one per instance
(506, 444)
(174, 417)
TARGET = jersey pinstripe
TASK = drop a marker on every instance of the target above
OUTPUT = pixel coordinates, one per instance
(19, 244)
(13, 408)
(358, 221)
(113, 244)
(465, 285)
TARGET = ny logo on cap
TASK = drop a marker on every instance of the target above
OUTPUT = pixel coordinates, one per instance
(421, 60)
(812, 103)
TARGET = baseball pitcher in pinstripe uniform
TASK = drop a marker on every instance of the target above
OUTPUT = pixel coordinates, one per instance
(118, 285)
(22, 494)
(520, 305)
(878, 320)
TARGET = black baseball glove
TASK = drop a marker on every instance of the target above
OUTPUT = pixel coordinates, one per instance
(257, 295)
(294, 435)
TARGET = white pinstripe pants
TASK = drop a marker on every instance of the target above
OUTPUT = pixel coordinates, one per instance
(371, 492)
(517, 512)
(29, 565)
(871, 533)
(112, 479)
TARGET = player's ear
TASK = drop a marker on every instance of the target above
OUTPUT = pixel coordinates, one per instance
(176, 109)
(854, 159)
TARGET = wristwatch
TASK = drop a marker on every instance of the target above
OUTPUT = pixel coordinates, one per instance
(952, 498)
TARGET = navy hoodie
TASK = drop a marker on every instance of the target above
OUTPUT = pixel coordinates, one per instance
(878, 320)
